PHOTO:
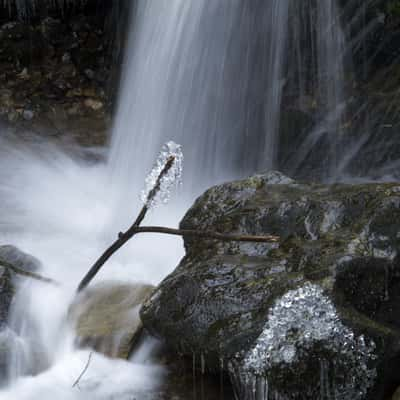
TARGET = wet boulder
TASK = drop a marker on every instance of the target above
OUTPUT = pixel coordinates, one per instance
(313, 316)
(106, 317)
(11, 255)
(6, 293)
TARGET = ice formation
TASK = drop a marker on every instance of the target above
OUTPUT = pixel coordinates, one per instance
(300, 320)
(171, 179)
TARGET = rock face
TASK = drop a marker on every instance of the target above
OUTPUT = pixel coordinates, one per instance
(8, 279)
(315, 315)
(8, 283)
(56, 76)
(106, 317)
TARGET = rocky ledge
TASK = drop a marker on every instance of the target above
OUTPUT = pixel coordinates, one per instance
(55, 78)
(9, 281)
(315, 316)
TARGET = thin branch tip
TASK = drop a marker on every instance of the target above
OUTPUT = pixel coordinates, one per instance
(123, 237)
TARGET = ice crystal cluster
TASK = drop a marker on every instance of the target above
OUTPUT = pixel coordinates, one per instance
(302, 321)
(170, 180)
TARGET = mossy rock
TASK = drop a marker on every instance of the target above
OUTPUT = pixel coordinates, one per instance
(340, 238)
(106, 317)
(8, 279)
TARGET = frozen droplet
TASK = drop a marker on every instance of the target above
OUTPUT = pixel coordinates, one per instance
(170, 180)
(289, 353)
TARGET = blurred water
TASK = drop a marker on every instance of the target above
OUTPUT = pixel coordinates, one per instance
(204, 74)
(56, 207)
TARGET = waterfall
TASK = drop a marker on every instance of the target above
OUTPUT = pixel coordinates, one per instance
(315, 87)
(219, 77)
(208, 75)
(212, 76)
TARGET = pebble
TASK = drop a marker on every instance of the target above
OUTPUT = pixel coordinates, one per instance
(93, 104)
(89, 73)
(66, 58)
(28, 115)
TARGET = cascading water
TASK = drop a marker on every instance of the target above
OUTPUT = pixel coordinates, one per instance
(211, 75)
(210, 78)
(315, 84)
(214, 79)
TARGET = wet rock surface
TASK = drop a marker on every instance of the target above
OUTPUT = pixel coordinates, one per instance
(339, 247)
(106, 317)
(9, 279)
(6, 294)
(8, 284)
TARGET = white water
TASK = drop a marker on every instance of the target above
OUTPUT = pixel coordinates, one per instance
(57, 208)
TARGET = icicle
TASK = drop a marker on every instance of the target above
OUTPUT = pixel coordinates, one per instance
(221, 378)
(194, 375)
(203, 364)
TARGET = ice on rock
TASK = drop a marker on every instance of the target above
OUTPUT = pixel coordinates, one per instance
(298, 321)
(170, 180)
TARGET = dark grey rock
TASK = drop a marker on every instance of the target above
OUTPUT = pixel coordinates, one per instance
(8, 279)
(339, 249)
(6, 294)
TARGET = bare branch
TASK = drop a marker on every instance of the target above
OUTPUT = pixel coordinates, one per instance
(28, 274)
(124, 237)
(207, 234)
(76, 383)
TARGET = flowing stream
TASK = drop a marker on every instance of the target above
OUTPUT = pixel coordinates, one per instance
(210, 75)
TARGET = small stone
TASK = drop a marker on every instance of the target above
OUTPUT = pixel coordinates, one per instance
(89, 92)
(28, 115)
(12, 116)
(93, 104)
(24, 74)
(66, 58)
(6, 98)
(76, 92)
(106, 317)
(74, 109)
(89, 73)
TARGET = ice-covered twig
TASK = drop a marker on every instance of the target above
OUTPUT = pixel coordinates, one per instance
(76, 383)
(123, 237)
(159, 185)
(168, 174)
